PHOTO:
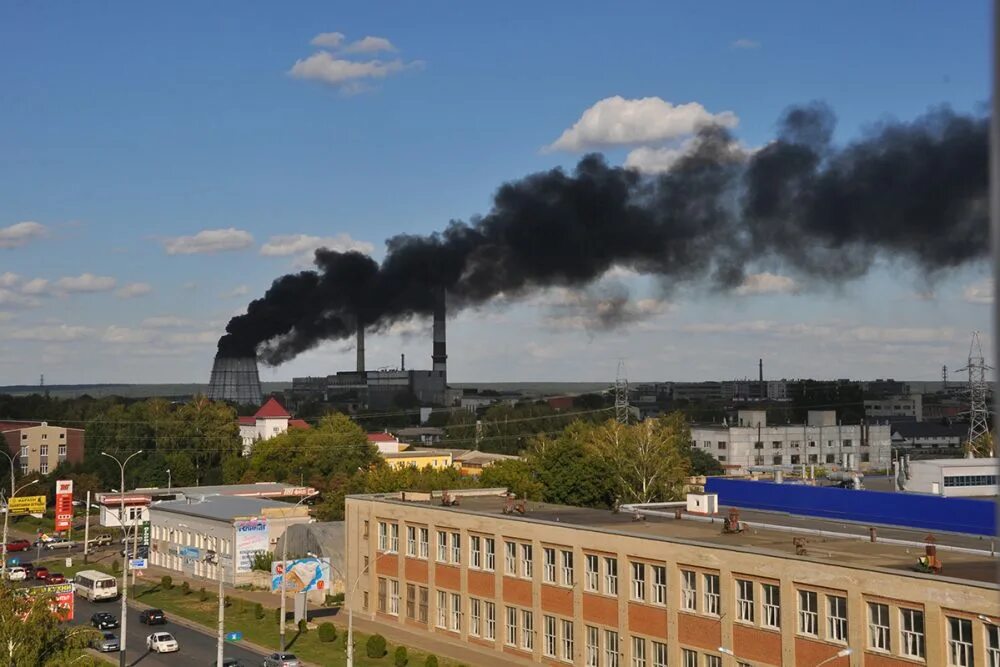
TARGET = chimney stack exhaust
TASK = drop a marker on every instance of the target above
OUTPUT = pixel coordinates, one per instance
(361, 348)
(439, 358)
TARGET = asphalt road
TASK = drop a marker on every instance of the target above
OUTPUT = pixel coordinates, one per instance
(197, 648)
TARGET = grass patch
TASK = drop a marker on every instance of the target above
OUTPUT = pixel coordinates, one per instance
(240, 617)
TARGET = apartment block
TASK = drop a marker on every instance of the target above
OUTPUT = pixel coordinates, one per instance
(558, 585)
(38, 447)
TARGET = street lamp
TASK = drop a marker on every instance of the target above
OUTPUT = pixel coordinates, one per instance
(121, 519)
(6, 515)
(284, 563)
(169, 480)
(349, 602)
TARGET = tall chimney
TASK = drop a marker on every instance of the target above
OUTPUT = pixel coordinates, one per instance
(760, 363)
(361, 348)
(439, 358)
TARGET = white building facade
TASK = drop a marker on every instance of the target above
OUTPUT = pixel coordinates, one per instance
(822, 441)
(953, 477)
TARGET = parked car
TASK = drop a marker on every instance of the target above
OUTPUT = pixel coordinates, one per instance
(59, 543)
(229, 662)
(281, 660)
(16, 574)
(56, 578)
(106, 643)
(104, 621)
(41, 573)
(152, 617)
(18, 545)
(101, 541)
(162, 642)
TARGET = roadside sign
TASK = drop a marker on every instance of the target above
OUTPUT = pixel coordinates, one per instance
(27, 504)
(137, 563)
(64, 504)
(192, 553)
(234, 636)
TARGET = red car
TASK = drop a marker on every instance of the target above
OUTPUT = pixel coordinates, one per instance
(41, 573)
(18, 545)
(56, 578)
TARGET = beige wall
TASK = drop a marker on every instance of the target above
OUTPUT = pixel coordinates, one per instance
(937, 596)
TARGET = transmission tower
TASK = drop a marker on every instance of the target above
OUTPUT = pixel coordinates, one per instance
(979, 414)
(621, 394)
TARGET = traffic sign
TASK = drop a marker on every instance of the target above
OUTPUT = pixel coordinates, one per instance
(234, 636)
(137, 563)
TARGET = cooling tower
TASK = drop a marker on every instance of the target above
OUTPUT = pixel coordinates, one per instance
(235, 379)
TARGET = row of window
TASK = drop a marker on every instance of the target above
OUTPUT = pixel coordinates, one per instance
(795, 459)
(779, 444)
(971, 480)
(45, 436)
(43, 450)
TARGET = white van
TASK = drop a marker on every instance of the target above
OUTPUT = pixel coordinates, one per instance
(95, 585)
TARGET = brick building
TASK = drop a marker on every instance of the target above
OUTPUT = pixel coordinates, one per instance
(39, 447)
(564, 585)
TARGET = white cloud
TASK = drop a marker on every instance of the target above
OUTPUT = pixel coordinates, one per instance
(51, 333)
(85, 282)
(240, 290)
(35, 286)
(9, 279)
(369, 44)
(209, 241)
(616, 121)
(327, 68)
(766, 283)
(979, 292)
(745, 43)
(166, 322)
(193, 338)
(304, 246)
(125, 335)
(11, 299)
(832, 332)
(21, 233)
(330, 40)
(133, 290)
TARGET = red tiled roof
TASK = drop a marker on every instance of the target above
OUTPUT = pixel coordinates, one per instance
(248, 421)
(298, 423)
(272, 409)
(381, 437)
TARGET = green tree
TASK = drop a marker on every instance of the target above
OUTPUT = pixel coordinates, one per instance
(31, 634)
(515, 475)
(703, 463)
(982, 447)
(569, 471)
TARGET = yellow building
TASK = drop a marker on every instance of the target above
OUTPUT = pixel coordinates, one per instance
(438, 459)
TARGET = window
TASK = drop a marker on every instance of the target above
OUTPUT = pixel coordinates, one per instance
(43, 468)
(383, 536)
(689, 658)
(847, 443)
(659, 654)
(794, 459)
(425, 536)
(456, 612)
(411, 541)
(960, 642)
(878, 626)
(490, 549)
(442, 609)
(795, 444)
(62, 450)
(712, 597)
(912, 632)
(592, 577)
(394, 597)
(713, 661)
(829, 458)
(549, 570)
(24, 450)
(527, 631)
(659, 584)
(24, 468)
(365, 603)
(638, 652)
(776, 444)
(511, 633)
(776, 460)
(510, 558)
(744, 601)
(689, 590)
(456, 548)
(639, 581)
(592, 657)
(422, 609)
(808, 613)
(549, 646)
(611, 648)
(772, 606)
(382, 594)
(567, 568)
(611, 576)
(475, 616)
(567, 640)
(394, 538)
(526, 557)
(836, 618)
(442, 547)
(411, 601)
(993, 645)
(813, 458)
(475, 552)
(721, 444)
(491, 621)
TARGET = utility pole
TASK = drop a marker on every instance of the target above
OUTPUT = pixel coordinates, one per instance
(121, 519)
(86, 529)
(979, 414)
(621, 394)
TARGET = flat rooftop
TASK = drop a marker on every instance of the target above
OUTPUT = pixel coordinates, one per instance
(837, 542)
(220, 508)
(257, 490)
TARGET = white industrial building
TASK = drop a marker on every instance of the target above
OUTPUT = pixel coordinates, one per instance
(953, 477)
(821, 441)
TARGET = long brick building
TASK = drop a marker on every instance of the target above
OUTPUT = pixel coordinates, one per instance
(564, 585)
(38, 447)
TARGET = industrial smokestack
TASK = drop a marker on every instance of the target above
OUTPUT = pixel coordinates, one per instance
(439, 358)
(361, 348)
(235, 379)
(760, 365)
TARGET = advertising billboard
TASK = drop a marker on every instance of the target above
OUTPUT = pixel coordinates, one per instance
(27, 505)
(64, 504)
(62, 598)
(301, 575)
(251, 537)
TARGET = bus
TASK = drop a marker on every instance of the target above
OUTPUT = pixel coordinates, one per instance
(95, 585)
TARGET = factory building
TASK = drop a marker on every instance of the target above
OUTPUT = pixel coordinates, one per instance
(535, 583)
(821, 441)
(953, 477)
(896, 408)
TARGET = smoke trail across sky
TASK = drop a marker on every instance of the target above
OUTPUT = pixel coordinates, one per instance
(914, 192)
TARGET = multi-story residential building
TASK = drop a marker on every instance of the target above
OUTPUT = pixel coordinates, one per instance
(896, 408)
(565, 585)
(38, 447)
(821, 441)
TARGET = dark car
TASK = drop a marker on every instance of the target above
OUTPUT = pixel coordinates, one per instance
(106, 643)
(41, 573)
(152, 617)
(104, 621)
(229, 662)
(56, 578)
(18, 545)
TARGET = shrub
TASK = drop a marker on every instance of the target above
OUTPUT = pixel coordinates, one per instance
(375, 648)
(431, 661)
(166, 582)
(202, 594)
(228, 601)
(303, 626)
(116, 566)
(327, 632)
(185, 588)
(258, 610)
(400, 658)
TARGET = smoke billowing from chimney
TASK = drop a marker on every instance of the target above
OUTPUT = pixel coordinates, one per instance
(913, 192)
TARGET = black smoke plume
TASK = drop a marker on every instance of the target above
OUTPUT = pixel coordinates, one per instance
(914, 192)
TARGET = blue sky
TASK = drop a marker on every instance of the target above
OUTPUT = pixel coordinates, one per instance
(124, 127)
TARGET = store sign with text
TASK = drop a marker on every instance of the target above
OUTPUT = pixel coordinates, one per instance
(64, 504)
